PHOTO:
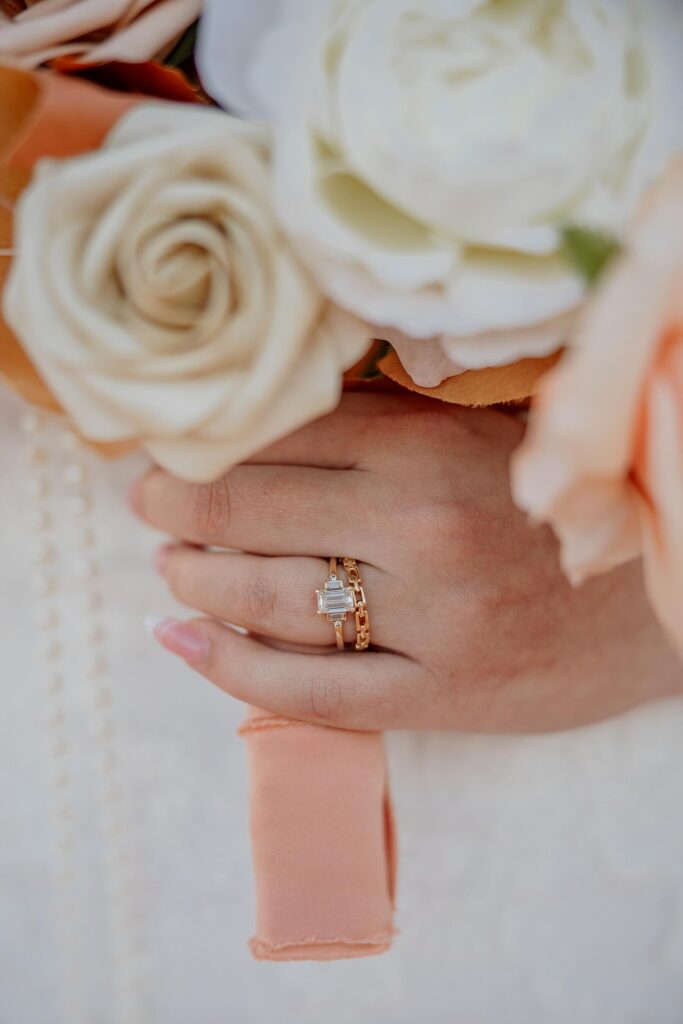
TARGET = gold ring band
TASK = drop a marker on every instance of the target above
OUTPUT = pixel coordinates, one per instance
(362, 614)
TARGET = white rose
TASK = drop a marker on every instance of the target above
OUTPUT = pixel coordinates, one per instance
(32, 33)
(156, 294)
(428, 152)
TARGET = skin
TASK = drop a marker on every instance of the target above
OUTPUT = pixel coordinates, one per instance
(474, 626)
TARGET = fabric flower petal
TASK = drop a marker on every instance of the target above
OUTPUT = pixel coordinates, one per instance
(428, 155)
(159, 298)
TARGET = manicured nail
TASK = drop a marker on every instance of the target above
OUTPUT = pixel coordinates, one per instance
(181, 638)
(134, 497)
(161, 557)
(152, 621)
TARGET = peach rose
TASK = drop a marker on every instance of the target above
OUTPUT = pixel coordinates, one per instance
(35, 31)
(603, 459)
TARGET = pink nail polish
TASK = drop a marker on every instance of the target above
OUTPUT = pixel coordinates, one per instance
(181, 638)
(161, 557)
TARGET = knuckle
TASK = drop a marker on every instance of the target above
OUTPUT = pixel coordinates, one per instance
(454, 519)
(451, 524)
(211, 508)
(437, 522)
(261, 600)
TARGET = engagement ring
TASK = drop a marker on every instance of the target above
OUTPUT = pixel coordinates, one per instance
(335, 601)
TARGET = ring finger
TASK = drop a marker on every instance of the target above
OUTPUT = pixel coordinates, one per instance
(273, 597)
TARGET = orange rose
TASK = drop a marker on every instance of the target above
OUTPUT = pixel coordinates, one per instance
(603, 459)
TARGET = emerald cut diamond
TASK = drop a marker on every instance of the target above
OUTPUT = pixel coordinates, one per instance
(335, 600)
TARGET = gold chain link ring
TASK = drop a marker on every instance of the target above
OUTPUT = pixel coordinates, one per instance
(361, 606)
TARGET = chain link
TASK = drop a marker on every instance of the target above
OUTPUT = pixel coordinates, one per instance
(362, 614)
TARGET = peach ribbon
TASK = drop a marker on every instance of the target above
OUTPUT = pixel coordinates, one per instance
(322, 839)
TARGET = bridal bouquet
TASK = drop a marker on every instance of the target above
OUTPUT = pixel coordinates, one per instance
(215, 225)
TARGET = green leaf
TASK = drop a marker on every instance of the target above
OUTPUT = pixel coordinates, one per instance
(185, 48)
(589, 252)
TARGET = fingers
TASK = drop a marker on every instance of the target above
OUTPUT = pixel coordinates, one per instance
(274, 597)
(350, 691)
(273, 510)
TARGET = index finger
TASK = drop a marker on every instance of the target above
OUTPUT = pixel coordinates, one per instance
(338, 440)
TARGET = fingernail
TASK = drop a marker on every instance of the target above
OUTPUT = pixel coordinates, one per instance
(152, 621)
(181, 638)
(161, 557)
(134, 497)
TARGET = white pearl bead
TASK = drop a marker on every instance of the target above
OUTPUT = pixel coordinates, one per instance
(36, 454)
(96, 668)
(75, 473)
(30, 422)
(39, 519)
(42, 552)
(103, 730)
(66, 845)
(35, 487)
(84, 537)
(47, 617)
(112, 794)
(94, 634)
(59, 747)
(92, 600)
(54, 682)
(79, 505)
(113, 828)
(61, 781)
(68, 441)
(86, 569)
(55, 720)
(66, 874)
(43, 584)
(108, 761)
(103, 697)
(52, 650)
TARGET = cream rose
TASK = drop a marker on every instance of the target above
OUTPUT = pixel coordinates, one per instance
(156, 294)
(35, 31)
(428, 153)
(603, 459)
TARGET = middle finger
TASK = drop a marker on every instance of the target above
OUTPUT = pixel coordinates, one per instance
(272, 510)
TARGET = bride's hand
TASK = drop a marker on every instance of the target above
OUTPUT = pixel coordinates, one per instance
(473, 624)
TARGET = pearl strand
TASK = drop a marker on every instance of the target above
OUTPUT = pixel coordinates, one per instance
(44, 584)
(78, 551)
(107, 788)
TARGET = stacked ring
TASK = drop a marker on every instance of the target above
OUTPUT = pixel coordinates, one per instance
(336, 600)
(360, 604)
